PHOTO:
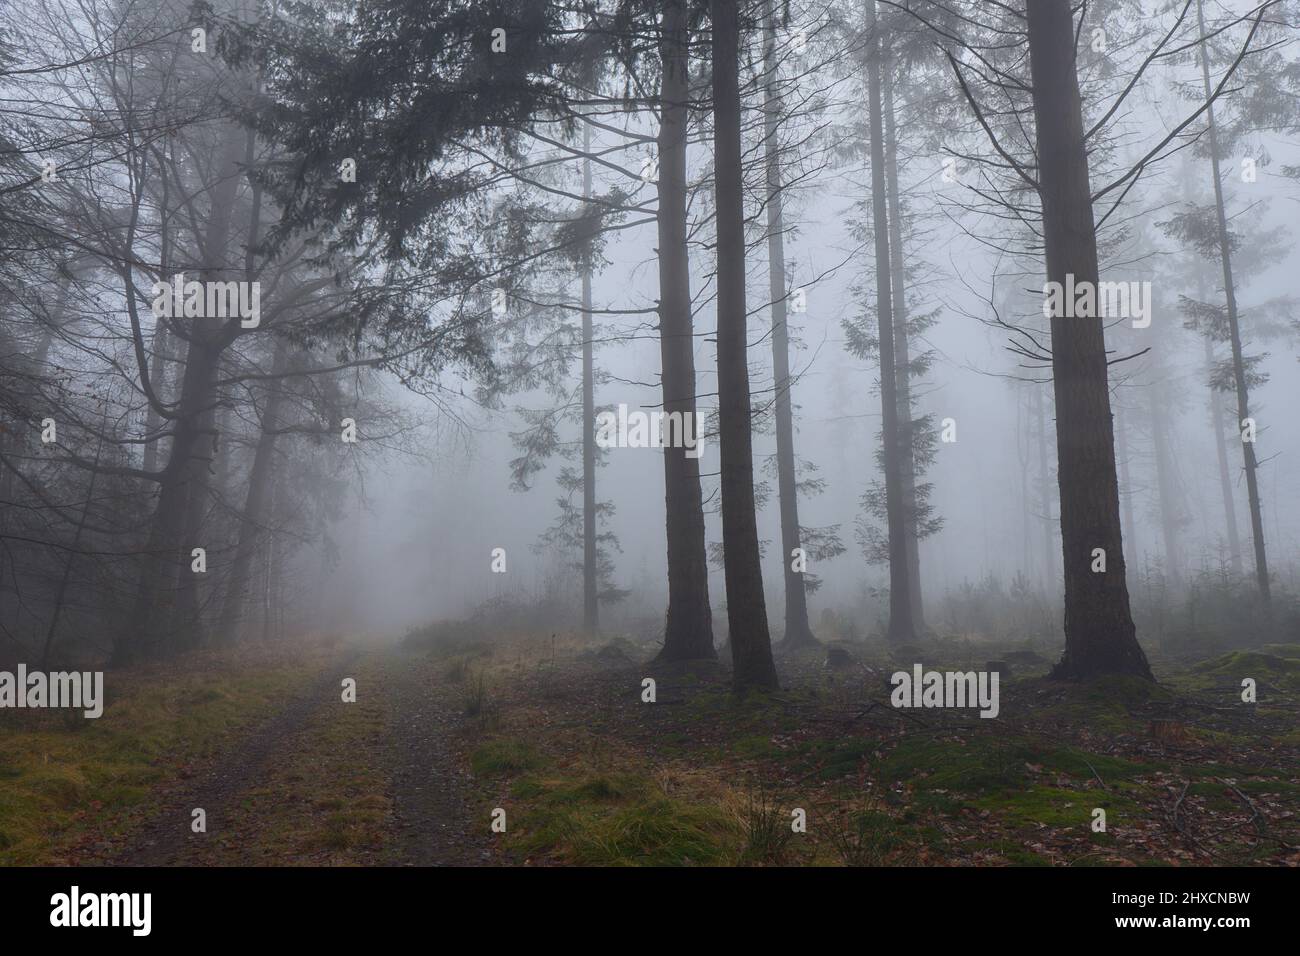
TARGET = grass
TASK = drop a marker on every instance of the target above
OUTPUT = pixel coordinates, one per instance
(60, 780)
(593, 776)
(625, 821)
(504, 756)
(325, 799)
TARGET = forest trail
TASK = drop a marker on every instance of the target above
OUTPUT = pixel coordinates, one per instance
(323, 782)
(560, 735)
(430, 784)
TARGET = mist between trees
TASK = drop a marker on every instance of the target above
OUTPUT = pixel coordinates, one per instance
(430, 245)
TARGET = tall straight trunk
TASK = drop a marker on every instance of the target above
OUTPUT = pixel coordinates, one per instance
(901, 628)
(1022, 456)
(688, 629)
(590, 570)
(1045, 490)
(1099, 634)
(1165, 484)
(1221, 456)
(902, 360)
(1234, 332)
(253, 518)
(1129, 526)
(797, 631)
(751, 645)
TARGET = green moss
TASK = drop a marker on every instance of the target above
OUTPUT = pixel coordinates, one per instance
(63, 778)
(1240, 664)
(1012, 852)
(976, 765)
(647, 831)
(504, 756)
(1057, 808)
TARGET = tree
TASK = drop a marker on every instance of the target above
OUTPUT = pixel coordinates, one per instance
(797, 631)
(1099, 634)
(751, 646)
(688, 628)
(1241, 388)
(900, 628)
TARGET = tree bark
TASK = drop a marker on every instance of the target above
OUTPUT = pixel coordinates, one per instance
(1165, 484)
(751, 646)
(1125, 459)
(902, 361)
(165, 568)
(1045, 491)
(1234, 332)
(1099, 634)
(797, 631)
(1221, 456)
(901, 627)
(590, 569)
(688, 629)
(253, 518)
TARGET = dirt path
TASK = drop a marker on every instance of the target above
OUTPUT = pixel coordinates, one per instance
(167, 837)
(434, 820)
(276, 778)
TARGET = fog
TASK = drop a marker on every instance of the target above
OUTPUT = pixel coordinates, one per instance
(424, 539)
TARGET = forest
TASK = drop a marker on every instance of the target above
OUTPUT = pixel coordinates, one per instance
(760, 433)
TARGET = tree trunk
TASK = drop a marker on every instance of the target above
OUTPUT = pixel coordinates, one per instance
(1165, 484)
(186, 623)
(901, 627)
(1221, 455)
(253, 518)
(751, 647)
(1045, 491)
(1129, 526)
(797, 631)
(1099, 634)
(688, 629)
(902, 360)
(1234, 330)
(590, 569)
(166, 563)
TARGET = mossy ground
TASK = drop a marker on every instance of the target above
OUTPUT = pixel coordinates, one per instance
(75, 791)
(1185, 772)
(555, 732)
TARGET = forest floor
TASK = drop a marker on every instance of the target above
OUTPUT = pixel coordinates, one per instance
(554, 733)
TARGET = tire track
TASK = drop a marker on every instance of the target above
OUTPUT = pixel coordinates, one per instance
(167, 839)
